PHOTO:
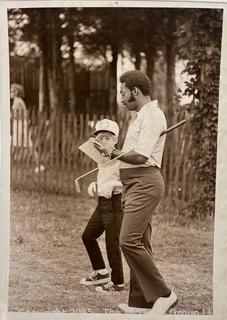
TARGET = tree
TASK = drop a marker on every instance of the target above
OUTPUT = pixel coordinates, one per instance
(199, 42)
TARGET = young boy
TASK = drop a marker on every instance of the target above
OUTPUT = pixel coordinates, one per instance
(106, 217)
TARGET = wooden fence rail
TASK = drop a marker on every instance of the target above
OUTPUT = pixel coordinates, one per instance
(45, 154)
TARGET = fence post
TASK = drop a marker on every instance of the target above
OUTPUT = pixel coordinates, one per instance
(63, 134)
(57, 160)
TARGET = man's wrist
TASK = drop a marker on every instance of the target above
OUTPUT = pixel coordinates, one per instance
(113, 154)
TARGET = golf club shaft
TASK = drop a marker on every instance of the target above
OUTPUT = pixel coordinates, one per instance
(102, 165)
(173, 127)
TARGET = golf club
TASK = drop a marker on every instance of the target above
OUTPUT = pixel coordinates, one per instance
(77, 185)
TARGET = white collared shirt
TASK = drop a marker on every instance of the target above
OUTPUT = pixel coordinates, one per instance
(109, 178)
(143, 135)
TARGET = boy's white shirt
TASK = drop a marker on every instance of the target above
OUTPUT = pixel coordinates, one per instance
(108, 180)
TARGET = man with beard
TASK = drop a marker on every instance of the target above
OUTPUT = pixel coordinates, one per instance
(143, 188)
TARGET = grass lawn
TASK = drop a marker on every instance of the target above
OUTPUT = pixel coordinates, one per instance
(48, 259)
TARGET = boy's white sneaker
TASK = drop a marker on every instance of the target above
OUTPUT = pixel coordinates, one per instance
(95, 278)
(110, 287)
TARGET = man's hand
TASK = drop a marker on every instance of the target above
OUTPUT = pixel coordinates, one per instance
(92, 189)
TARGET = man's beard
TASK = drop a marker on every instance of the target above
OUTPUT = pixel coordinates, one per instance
(131, 98)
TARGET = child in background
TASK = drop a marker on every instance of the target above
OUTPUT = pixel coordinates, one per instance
(106, 217)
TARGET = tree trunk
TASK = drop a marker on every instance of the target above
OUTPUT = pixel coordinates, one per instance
(170, 112)
(138, 59)
(44, 99)
(41, 84)
(150, 56)
(113, 82)
(53, 57)
(170, 82)
(72, 78)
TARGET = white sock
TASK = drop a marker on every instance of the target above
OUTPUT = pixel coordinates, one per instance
(121, 285)
(102, 271)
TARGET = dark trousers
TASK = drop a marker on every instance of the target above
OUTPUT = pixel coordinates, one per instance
(143, 189)
(106, 217)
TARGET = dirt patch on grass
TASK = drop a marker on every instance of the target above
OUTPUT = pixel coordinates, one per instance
(48, 259)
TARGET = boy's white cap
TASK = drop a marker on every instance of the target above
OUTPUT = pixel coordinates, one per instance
(107, 125)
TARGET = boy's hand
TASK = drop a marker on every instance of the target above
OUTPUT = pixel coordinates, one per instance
(107, 193)
(106, 150)
(92, 189)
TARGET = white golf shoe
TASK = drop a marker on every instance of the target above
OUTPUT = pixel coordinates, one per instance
(133, 310)
(163, 304)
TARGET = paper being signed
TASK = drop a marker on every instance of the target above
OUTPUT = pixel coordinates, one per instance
(89, 149)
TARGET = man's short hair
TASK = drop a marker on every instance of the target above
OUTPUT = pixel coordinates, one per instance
(136, 78)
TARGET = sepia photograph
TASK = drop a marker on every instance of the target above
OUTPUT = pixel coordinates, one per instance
(113, 158)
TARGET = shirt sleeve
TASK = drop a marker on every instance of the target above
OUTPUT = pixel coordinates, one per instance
(149, 135)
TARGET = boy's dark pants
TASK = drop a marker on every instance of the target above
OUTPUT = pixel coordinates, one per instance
(106, 217)
(143, 189)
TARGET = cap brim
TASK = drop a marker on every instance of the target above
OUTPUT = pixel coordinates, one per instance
(101, 130)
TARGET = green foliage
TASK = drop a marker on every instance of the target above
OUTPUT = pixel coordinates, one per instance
(199, 42)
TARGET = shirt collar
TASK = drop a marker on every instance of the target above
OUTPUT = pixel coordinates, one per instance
(144, 109)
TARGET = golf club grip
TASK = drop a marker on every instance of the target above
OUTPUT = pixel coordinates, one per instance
(173, 127)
